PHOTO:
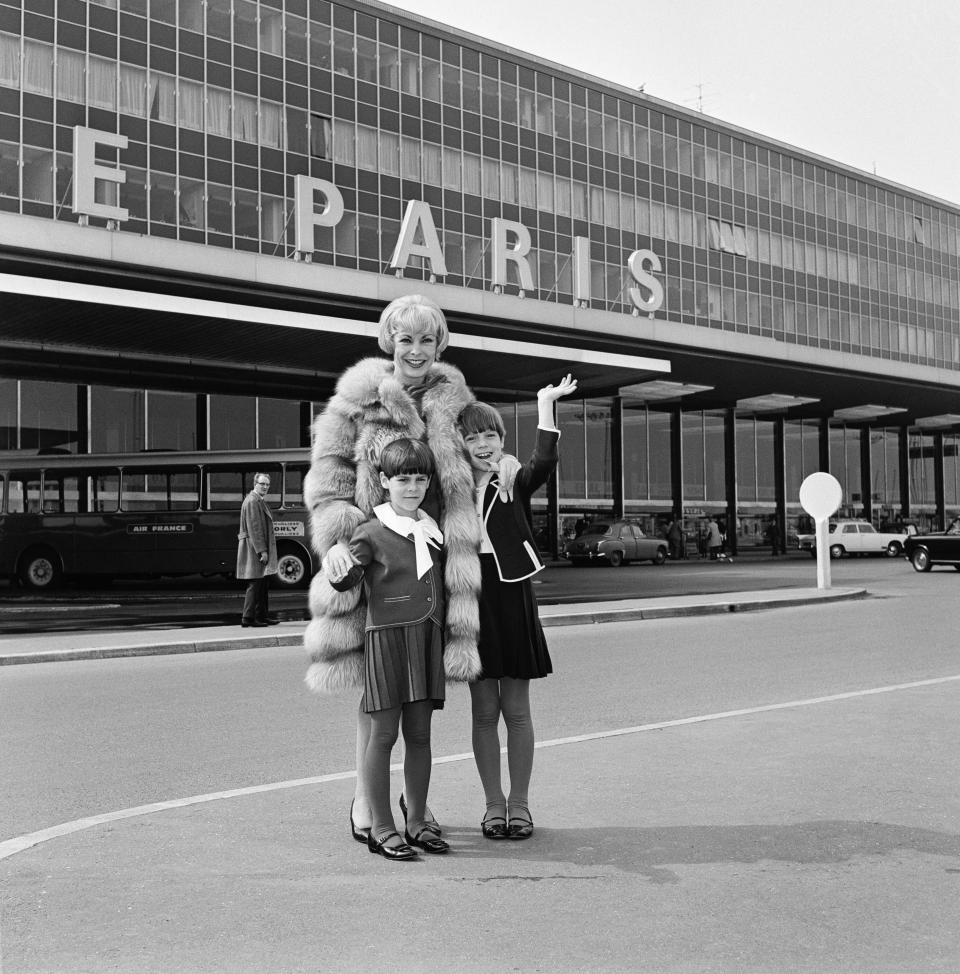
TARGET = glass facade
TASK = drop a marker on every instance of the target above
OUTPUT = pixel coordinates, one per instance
(225, 102)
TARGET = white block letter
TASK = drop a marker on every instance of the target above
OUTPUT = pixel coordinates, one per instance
(306, 216)
(636, 265)
(517, 254)
(86, 172)
(418, 217)
(581, 269)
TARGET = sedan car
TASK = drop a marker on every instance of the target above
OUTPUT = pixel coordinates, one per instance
(616, 543)
(855, 538)
(936, 548)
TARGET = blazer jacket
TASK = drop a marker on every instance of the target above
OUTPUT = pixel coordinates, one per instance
(509, 523)
(388, 568)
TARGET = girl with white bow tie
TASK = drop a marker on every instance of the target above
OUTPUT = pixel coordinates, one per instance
(398, 559)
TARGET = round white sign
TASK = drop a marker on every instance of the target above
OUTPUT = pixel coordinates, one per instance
(820, 495)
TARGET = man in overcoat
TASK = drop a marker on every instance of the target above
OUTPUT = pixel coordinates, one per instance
(256, 553)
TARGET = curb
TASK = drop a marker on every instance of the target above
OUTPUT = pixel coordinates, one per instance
(638, 613)
(154, 649)
(548, 621)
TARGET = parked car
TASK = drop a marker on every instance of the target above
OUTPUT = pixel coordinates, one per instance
(936, 548)
(855, 538)
(616, 542)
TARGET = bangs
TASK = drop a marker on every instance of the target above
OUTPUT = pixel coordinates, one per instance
(406, 456)
(479, 417)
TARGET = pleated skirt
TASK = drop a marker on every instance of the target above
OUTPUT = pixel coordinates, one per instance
(403, 664)
(511, 637)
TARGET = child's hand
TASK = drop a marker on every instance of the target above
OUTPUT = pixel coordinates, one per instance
(551, 393)
(337, 562)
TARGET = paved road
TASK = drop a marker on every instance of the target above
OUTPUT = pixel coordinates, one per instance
(171, 604)
(683, 825)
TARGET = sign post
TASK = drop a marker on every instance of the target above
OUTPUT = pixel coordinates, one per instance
(820, 496)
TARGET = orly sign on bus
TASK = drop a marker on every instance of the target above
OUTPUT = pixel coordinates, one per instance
(510, 241)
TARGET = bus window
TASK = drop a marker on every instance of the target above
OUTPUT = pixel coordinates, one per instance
(226, 488)
(225, 491)
(24, 496)
(293, 485)
(103, 491)
(61, 493)
(167, 490)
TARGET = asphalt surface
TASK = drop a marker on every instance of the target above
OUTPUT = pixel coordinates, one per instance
(743, 792)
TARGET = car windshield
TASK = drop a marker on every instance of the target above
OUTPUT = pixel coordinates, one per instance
(598, 528)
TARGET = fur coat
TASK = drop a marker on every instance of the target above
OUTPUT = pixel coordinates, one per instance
(370, 409)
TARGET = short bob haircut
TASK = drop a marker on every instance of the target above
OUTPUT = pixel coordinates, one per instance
(479, 417)
(414, 314)
(406, 456)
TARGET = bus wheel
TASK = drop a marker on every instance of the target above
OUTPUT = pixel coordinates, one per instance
(293, 569)
(40, 569)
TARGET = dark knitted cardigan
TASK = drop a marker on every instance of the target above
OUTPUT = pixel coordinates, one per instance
(370, 409)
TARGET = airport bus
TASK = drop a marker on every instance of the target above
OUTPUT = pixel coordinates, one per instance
(144, 515)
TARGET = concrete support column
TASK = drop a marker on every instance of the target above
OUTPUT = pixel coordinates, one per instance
(780, 481)
(676, 462)
(203, 422)
(825, 444)
(938, 486)
(83, 419)
(904, 444)
(616, 454)
(730, 473)
(866, 474)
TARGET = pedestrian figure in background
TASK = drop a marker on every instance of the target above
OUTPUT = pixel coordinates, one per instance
(773, 535)
(256, 553)
(512, 647)
(675, 538)
(397, 556)
(714, 539)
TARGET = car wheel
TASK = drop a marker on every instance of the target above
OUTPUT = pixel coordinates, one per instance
(894, 549)
(293, 569)
(616, 558)
(660, 557)
(813, 552)
(836, 551)
(920, 560)
(40, 569)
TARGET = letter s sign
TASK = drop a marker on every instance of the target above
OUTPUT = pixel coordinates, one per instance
(636, 263)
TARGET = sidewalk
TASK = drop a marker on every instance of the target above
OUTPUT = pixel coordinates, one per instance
(57, 647)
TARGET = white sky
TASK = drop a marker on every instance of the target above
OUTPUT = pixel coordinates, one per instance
(870, 83)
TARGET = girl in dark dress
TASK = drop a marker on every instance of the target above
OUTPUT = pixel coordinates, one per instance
(512, 647)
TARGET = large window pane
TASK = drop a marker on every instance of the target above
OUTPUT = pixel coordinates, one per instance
(117, 420)
(233, 422)
(48, 416)
(9, 394)
(171, 421)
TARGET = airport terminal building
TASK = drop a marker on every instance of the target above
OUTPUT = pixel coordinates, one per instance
(204, 207)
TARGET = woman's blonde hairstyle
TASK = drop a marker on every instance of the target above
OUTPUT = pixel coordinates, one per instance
(415, 314)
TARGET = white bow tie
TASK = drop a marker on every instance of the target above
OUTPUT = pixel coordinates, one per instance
(424, 531)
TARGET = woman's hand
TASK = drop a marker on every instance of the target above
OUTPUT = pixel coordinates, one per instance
(337, 562)
(508, 468)
(551, 393)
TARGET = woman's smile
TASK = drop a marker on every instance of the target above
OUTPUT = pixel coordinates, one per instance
(413, 355)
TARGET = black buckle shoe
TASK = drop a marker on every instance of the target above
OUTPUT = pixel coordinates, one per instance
(399, 853)
(426, 840)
